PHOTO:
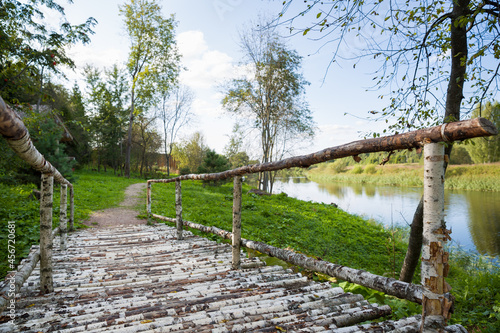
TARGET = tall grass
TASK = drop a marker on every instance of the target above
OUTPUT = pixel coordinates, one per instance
(482, 177)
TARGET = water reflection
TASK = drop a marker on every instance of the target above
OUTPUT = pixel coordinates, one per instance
(474, 217)
(484, 225)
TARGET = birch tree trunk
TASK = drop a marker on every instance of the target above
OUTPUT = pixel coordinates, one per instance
(435, 307)
(178, 209)
(148, 201)
(46, 201)
(236, 237)
(63, 221)
(71, 208)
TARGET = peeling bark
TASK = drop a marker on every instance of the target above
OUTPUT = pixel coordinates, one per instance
(435, 310)
(236, 236)
(46, 201)
(460, 130)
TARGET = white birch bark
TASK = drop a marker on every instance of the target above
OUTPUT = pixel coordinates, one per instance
(148, 201)
(71, 208)
(236, 236)
(46, 201)
(63, 220)
(435, 309)
(178, 209)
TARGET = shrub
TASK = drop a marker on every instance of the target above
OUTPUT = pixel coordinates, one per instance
(370, 169)
(338, 166)
(357, 169)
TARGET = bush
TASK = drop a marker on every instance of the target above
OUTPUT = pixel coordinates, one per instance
(338, 166)
(184, 171)
(370, 169)
(357, 169)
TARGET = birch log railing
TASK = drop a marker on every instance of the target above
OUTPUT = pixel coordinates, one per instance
(433, 291)
(15, 132)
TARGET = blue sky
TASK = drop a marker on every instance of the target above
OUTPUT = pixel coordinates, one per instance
(207, 36)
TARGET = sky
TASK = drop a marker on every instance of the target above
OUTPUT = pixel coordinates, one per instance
(208, 40)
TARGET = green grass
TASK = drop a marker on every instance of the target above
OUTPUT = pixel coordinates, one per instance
(479, 177)
(312, 228)
(93, 191)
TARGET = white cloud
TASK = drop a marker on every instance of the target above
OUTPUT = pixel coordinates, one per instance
(101, 58)
(206, 68)
(191, 44)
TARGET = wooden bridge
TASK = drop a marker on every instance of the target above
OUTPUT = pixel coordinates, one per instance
(142, 279)
(161, 279)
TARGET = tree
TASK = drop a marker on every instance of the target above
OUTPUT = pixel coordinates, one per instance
(213, 163)
(153, 56)
(107, 97)
(272, 99)
(190, 153)
(422, 47)
(147, 140)
(78, 122)
(486, 150)
(47, 136)
(28, 47)
(174, 112)
(234, 149)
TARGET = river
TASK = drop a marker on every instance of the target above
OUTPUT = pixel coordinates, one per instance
(473, 216)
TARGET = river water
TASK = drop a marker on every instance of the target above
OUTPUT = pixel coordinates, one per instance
(473, 216)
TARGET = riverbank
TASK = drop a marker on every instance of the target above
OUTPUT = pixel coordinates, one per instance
(476, 177)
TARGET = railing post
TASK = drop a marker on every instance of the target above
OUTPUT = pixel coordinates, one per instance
(63, 221)
(71, 209)
(435, 305)
(148, 201)
(178, 209)
(236, 239)
(46, 201)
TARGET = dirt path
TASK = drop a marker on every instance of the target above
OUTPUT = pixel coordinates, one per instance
(124, 215)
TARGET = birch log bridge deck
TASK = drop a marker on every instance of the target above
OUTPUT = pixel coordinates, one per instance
(141, 279)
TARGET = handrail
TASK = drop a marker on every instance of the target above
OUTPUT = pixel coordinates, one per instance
(433, 293)
(449, 132)
(15, 132)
